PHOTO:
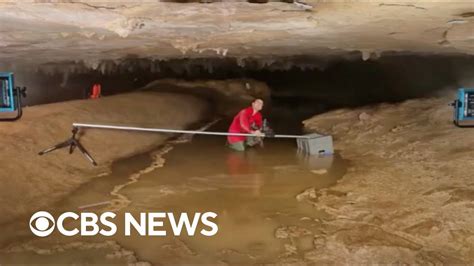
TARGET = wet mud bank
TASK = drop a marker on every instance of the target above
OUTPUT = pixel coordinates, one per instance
(408, 196)
(30, 182)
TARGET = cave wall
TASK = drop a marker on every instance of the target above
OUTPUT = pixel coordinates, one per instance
(297, 82)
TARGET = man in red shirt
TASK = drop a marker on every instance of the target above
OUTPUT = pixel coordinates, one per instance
(248, 120)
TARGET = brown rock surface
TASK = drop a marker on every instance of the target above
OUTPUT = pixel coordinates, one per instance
(30, 181)
(409, 196)
(86, 30)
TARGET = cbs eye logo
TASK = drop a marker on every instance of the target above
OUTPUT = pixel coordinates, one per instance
(42, 224)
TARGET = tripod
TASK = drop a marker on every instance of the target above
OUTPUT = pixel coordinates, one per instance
(72, 143)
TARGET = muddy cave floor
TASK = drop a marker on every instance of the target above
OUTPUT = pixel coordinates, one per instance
(406, 196)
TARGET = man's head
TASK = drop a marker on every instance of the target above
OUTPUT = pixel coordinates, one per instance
(257, 105)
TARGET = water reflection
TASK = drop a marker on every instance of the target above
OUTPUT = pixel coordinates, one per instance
(252, 192)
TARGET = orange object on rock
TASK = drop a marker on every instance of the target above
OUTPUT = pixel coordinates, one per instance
(96, 91)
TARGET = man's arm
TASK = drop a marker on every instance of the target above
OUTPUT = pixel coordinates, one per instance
(258, 121)
(244, 121)
(259, 124)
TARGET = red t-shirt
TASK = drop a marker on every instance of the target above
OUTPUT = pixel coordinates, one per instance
(242, 122)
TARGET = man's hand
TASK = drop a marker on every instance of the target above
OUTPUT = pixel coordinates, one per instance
(258, 133)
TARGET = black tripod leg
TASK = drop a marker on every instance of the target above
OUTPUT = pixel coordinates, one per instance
(71, 148)
(58, 146)
(85, 153)
(72, 143)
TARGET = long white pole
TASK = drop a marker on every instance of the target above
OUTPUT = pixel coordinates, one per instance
(164, 130)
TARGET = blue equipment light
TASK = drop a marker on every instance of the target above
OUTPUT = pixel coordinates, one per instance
(464, 108)
(7, 101)
(10, 97)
